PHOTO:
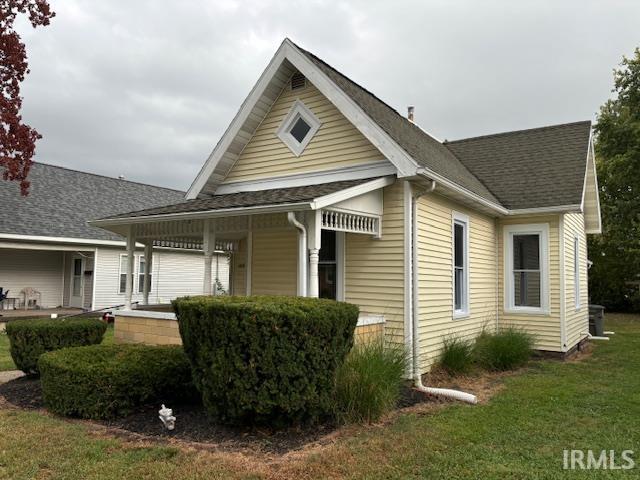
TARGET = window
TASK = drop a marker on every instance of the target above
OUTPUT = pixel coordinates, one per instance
(328, 266)
(298, 128)
(77, 277)
(142, 268)
(460, 264)
(122, 284)
(526, 268)
(576, 271)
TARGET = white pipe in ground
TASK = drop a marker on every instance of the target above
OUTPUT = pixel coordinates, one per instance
(593, 337)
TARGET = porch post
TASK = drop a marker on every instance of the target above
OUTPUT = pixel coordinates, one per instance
(148, 268)
(315, 227)
(208, 246)
(131, 249)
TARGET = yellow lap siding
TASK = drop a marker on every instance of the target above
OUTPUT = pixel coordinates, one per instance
(336, 144)
(544, 327)
(435, 275)
(239, 269)
(374, 268)
(576, 320)
(274, 261)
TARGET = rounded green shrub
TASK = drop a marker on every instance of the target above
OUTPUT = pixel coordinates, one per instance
(369, 382)
(30, 338)
(457, 356)
(108, 381)
(507, 349)
(265, 360)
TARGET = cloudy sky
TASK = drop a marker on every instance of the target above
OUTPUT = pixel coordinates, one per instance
(145, 88)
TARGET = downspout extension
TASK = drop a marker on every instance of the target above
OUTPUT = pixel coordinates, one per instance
(302, 252)
(417, 378)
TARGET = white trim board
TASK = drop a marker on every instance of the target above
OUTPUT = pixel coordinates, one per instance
(354, 172)
(461, 219)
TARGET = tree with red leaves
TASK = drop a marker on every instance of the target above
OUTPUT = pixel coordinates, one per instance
(17, 140)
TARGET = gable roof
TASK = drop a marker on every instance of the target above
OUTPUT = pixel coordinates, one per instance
(61, 201)
(534, 168)
(286, 198)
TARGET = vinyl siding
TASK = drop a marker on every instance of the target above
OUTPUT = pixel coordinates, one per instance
(239, 269)
(576, 320)
(544, 327)
(175, 274)
(435, 275)
(336, 144)
(591, 219)
(274, 261)
(37, 269)
(374, 268)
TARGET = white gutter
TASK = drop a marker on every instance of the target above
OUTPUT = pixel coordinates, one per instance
(417, 378)
(302, 253)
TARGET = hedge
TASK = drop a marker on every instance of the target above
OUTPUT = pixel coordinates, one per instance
(265, 359)
(108, 381)
(30, 338)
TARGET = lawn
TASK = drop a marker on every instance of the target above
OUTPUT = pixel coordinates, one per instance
(520, 433)
(6, 363)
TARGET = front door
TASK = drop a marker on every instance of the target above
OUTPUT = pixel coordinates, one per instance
(76, 293)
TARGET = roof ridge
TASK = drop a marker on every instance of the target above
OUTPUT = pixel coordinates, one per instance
(108, 177)
(510, 132)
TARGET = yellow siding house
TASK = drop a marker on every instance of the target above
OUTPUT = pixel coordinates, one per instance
(318, 188)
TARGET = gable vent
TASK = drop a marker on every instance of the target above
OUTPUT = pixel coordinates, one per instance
(298, 81)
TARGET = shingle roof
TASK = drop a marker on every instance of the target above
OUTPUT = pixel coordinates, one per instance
(423, 148)
(540, 167)
(276, 196)
(61, 201)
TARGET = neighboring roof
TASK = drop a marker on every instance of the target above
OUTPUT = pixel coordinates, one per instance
(276, 196)
(61, 201)
(535, 168)
(422, 147)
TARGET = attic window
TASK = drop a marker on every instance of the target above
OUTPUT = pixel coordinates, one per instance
(298, 128)
(298, 81)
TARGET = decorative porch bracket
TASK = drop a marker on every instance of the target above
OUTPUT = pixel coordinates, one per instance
(351, 222)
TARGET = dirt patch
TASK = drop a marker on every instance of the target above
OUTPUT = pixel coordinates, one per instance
(194, 429)
(481, 383)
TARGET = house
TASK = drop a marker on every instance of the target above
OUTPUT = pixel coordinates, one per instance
(46, 243)
(325, 190)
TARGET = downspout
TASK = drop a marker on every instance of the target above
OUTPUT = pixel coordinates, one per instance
(417, 378)
(302, 253)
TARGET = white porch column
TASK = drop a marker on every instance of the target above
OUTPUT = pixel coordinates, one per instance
(148, 268)
(315, 224)
(131, 249)
(208, 246)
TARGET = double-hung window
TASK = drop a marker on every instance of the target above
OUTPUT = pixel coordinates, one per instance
(460, 265)
(526, 273)
(142, 268)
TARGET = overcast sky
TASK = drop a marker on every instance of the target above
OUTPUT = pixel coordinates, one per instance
(146, 88)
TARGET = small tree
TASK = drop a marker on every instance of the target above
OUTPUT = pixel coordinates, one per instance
(17, 140)
(616, 253)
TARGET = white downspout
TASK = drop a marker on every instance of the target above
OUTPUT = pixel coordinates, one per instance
(302, 253)
(417, 378)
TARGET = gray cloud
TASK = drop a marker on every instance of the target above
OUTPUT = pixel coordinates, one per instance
(146, 88)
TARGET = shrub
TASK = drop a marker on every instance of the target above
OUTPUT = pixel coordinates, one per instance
(269, 360)
(30, 338)
(457, 356)
(107, 381)
(369, 382)
(507, 349)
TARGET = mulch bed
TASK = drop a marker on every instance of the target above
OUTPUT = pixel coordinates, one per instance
(193, 425)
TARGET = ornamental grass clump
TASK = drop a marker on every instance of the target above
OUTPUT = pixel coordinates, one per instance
(30, 338)
(507, 349)
(369, 382)
(265, 359)
(457, 356)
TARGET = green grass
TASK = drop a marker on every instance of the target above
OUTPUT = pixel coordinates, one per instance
(6, 362)
(520, 434)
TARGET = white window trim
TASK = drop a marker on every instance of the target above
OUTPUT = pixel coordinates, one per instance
(462, 219)
(298, 110)
(542, 229)
(138, 275)
(121, 272)
(576, 271)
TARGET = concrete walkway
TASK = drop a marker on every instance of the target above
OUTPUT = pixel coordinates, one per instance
(10, 375)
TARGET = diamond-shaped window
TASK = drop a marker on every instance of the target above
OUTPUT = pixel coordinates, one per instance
(298, 127)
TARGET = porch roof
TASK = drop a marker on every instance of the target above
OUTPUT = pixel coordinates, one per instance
(308, 197)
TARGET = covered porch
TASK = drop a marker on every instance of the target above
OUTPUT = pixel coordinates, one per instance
(290, 241)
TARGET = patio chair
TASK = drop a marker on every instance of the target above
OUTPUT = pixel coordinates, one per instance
(30, 295)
